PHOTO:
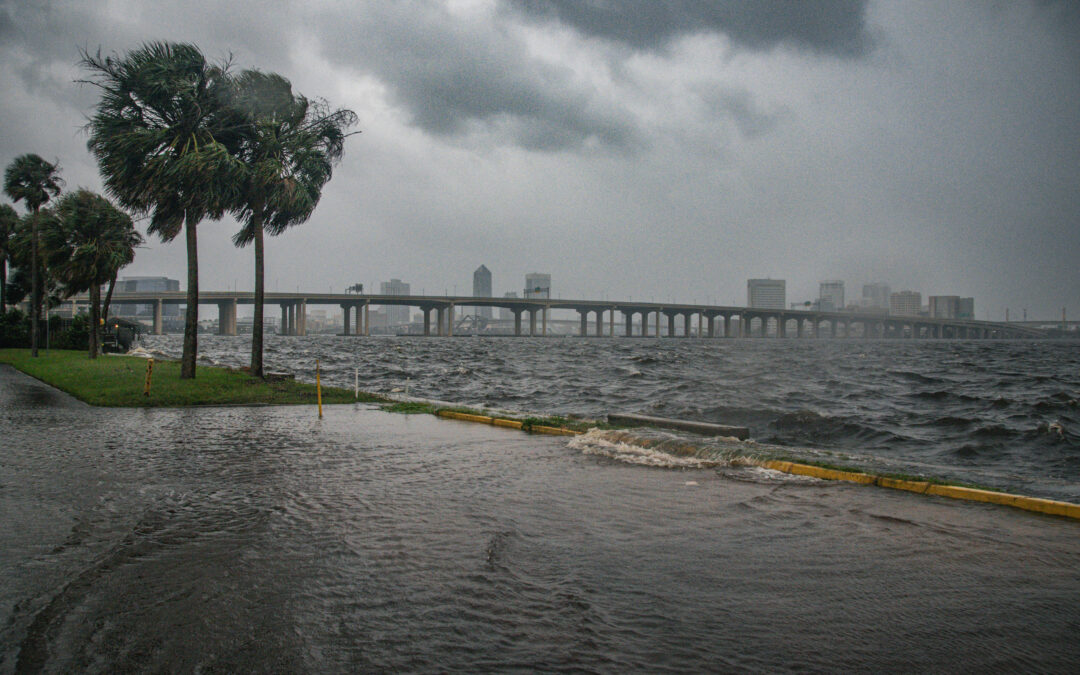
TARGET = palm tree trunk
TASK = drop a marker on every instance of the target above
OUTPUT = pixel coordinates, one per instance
(3, 286)
(191, 321)
(257, 326)
(95, 320)
(35, 301)
(108, 297)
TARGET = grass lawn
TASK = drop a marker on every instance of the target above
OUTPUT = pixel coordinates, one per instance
(118, 381)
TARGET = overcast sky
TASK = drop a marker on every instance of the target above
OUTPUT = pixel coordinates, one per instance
(632, 149)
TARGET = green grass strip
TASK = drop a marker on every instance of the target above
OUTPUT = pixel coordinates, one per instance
(118, 381)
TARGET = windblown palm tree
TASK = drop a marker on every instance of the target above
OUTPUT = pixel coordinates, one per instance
(288, 147)
(162, 143)
(9, 220)
(31, 179)
(87, 244)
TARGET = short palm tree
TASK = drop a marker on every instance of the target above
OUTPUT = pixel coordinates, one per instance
(288, 147)
(160, 135)
(31, 179)
(87, 243)
(9, 220)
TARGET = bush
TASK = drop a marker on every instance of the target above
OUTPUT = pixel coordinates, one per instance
(62, 333)
(14, 329)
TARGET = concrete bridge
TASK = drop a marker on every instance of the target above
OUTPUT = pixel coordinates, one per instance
(597, 317)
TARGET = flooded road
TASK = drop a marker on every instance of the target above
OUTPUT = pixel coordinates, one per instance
(262, 539)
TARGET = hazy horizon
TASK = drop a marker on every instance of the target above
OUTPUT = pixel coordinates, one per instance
(665, 151)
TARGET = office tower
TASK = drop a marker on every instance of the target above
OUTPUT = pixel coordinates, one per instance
(481, 288)
(537, 285)
(766, 293)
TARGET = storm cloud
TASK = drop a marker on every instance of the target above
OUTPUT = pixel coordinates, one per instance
(665, 150)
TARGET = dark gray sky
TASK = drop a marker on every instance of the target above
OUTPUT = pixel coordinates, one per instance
(663, 151)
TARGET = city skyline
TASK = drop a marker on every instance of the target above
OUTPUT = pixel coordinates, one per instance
(667, 154)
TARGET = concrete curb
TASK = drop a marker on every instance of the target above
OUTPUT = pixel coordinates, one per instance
(1035, 504)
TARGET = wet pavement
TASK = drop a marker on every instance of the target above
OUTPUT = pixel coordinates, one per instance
(265, 540)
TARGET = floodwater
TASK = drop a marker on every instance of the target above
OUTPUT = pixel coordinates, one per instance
(261, 539)
(1004, 414)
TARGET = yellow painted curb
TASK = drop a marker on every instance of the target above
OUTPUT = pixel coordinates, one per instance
(1036, 504)
(555, 431)
(1047, 506)
(465, 417)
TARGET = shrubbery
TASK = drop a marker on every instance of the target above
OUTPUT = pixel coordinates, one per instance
(62, 334)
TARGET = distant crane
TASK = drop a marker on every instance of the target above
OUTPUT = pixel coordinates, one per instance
(355, 288)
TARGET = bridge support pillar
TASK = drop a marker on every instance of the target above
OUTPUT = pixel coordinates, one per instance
(599, 323)
(727, 325)
(450, 320)
(227, 317)
(301, 318)
(781, 326)
(532, 321)
(629, 318)
(671, 325)
(440, 320)
(158, 311)
(545, 318)
(644, 324)
(346, 311)
(584, 323)
(427, 320)
(686, 327)
(517, 321)
(711, 323)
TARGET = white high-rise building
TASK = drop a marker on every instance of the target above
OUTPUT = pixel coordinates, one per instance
(537, 285)
(875, 296)
(905, 303)
(766, 293)
(395, 315)
(831, 296)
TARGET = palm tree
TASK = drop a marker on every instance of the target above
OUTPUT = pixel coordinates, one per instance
(35, 181)
(159, 135)
(289, 145)
(87, 244)
(9, 220)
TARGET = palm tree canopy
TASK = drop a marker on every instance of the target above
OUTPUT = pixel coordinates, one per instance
(160, 133)
(31, 179)
(88, 240)
(288, 145)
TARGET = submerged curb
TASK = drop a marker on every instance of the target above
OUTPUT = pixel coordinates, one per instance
(1035, 504)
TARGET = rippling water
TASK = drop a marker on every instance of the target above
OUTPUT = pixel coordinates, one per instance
(1001, 414)
(261, 539)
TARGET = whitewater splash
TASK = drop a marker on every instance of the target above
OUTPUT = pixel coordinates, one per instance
(648, 448)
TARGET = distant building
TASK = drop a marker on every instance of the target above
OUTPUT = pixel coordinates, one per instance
(504, 312)
(875, 296)
(944, 306)
(831, 296)
(481, 288)
(965, 308)
(766, 293)
(905, 303)
(396, 315)
(146, 285)
(537, 285)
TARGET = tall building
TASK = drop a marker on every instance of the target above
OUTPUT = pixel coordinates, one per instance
(944, 306)
(875, 296)
(766, 293)
(905, 303)
(146, 285)
(395, 315)
(504, 312)
(831, 296)
(481, 288)
(965, 308)
(537, 285)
